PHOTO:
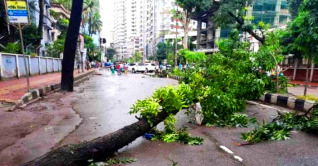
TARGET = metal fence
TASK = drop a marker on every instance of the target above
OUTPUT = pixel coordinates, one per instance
(12, 65)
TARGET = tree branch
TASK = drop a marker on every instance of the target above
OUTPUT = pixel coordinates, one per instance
(250, 31)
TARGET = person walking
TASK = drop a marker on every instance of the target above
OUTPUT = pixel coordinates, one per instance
(126, 68)
(119, 69)
(112, 68)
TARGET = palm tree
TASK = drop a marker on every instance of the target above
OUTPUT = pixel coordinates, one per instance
(96, 23)
(89, 8)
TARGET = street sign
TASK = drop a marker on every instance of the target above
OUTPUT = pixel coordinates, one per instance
(17, 12)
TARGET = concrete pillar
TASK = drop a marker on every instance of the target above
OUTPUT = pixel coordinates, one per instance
(17, 63)
(1, 67)
(47, 67)
(295, 68)
(277, 10)
(29, 67)
(312, 71)
(39, 60)
(199, 26)
(53, 65)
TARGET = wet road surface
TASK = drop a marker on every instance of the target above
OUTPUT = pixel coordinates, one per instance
(104, 101)
(100, 106)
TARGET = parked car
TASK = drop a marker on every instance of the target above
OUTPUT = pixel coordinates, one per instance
(141, 67)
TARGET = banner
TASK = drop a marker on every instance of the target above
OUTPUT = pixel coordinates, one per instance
(17, 12)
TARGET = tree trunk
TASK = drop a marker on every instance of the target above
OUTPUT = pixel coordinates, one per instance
(40, 27)
(307, 76)
(185, 38)
(90, 24)
(70, 46)
(99, 148)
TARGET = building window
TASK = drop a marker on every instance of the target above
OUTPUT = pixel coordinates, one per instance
(284, 5)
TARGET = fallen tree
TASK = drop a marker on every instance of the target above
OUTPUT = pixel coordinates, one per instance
(99, 148)
(162, 106)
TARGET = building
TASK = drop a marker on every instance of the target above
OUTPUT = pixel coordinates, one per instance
(273, 12)
(161, 24)
(140, 24)
(48, 33)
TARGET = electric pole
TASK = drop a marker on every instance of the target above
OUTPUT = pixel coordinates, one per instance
(176, 41)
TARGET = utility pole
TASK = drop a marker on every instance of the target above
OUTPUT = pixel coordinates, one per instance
(176, 43)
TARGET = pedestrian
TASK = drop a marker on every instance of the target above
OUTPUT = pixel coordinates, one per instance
(180, 66)
(112, 68)
(126, 68)
(118, 69)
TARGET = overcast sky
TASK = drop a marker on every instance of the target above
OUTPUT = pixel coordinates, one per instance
(106, 12)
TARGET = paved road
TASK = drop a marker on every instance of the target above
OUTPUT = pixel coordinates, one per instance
(100, 106)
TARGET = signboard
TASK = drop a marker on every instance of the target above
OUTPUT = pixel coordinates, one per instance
(17, 12)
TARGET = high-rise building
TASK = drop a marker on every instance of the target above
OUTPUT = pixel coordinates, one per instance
(119, 27)
(140, 24)
(160, 23)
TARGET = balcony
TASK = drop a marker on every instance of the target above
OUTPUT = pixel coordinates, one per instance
(47, 22)
(47, 3)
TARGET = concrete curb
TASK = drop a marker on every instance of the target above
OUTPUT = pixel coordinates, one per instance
(284, 101)
(288, 102)
(175, 77)
(37, 93)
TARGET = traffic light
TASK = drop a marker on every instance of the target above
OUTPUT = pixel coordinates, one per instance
(102, 40)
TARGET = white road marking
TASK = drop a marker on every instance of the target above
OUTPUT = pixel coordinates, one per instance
(226, 149)
(238, 158)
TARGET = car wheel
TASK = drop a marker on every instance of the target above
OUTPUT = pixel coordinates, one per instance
(133, 71)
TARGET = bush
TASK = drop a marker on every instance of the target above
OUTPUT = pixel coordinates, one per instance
(13, 48)
(308, 97)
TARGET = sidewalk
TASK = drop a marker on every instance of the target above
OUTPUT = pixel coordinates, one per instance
(13, 90)
(311, 84)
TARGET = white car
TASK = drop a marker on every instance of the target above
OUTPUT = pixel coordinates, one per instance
(141, 67)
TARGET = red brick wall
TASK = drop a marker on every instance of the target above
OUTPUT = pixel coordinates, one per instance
(301, 74)
(315, 77)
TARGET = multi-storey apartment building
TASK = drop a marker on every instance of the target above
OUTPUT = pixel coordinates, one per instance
(162, 25)
(119, 27)
(273, 12)
(139, 25)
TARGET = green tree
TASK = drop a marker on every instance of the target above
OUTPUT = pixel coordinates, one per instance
(229, 12)
(110, 53)
(185, 14)
(137, 56)
(305, 31)
(293, 6)
(96, 24)
(90, 7)
(161, 52)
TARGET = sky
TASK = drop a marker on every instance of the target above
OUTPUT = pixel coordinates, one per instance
(106, 12)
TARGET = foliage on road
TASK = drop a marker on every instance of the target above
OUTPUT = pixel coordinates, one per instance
(280, 128)
(115, 161)
(223, 82)
(171, 100)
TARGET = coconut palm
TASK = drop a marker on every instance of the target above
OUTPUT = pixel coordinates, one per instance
(89, 8)
(96, 23)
